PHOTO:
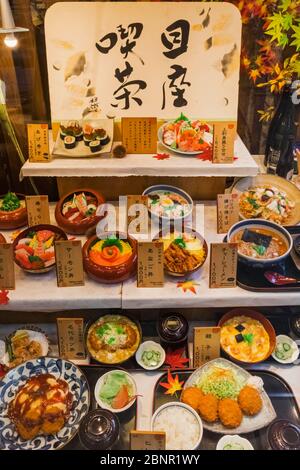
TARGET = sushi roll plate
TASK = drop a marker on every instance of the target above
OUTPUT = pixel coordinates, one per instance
(82, 139)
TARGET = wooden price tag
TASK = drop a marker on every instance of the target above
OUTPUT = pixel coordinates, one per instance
(69, 263)
(228, 211)
(7, 267)
(38, 143)
(150, 264)
(206, 344)
(223, 146)
(147, 440)
(137, 222)
(139, 135)
(223, 265)
(55, 130)
(70, 332)
(38, 210)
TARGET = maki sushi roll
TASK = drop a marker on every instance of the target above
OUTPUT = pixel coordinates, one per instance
(95, 146)
(88, 134)
(102, 136)
(70, 142)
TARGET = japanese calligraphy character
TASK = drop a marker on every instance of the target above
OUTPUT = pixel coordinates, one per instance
(177, 42)
(124, 93)
(177, 84)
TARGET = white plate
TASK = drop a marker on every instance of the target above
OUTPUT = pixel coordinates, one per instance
(81, 150)
(104, 405)
(294, 346)
(208, 138)
(249, 423)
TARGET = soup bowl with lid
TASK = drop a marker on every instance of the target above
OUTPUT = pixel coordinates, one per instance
(264, 227)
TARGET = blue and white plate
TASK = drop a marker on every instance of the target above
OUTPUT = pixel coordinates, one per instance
(14, 379)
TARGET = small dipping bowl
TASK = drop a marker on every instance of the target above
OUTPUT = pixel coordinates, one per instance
(286, 339)
(99, 430)
(284, 435)
(150, 346)
(173, 329)
(104, 405)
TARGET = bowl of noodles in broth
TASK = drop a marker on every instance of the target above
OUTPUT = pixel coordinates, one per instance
(261, 243)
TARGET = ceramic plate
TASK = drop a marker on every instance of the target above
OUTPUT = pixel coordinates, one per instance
(249, 423)
(14, 379)
(280, 183)
(208, 138)
(81, 150)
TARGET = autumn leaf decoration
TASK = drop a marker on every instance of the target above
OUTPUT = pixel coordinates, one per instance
(175, 359)
(161, 156)
(173, 385)
(4, 299)
(188, 286)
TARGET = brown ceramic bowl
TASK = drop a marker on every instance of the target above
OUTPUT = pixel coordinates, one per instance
(78, 228)
(60, 236)
(13, 219)
(237, 312)
(2, 238)
(190, 271)
(109, 274)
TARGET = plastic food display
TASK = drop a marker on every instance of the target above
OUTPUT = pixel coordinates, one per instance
(34, 248)
(13, 212)
(110, 258)
(76, 211)
(247, 336)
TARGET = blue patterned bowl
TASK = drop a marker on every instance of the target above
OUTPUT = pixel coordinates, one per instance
(15, 378)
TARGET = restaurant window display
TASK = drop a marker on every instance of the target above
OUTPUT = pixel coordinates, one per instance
(149, 218)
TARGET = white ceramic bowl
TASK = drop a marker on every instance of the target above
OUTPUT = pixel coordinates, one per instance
(294, 346)
(102, 380)
(175, 190)
(235, 439)
(187, 407)
(150, 346)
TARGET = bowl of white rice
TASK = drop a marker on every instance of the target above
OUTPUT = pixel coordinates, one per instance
(182, 425)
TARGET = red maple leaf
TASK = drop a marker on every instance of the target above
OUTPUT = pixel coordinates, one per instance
(175, 360)
(205, 156)
(4, 299)
(173, 385)
(161, 156)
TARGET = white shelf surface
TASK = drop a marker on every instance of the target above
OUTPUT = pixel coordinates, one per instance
(39, 292)
(144, 165)
(172, 296)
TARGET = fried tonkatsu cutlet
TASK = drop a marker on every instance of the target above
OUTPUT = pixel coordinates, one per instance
(191, 396)
(250, 400)
(208, 408)
(230, 413)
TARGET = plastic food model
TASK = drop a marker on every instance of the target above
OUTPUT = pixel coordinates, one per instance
(186, 135)
(13, 213)
(34, 248)
(111, 258)
(76, 211)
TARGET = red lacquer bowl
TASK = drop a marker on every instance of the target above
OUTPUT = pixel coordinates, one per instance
(79, 227)
(110, 274)
(13, 219)
(60, 236)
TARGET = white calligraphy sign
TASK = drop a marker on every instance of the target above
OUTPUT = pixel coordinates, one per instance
(143, 59)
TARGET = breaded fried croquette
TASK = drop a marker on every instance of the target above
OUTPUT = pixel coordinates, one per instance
(230, 413)
(208, 408)
(250, 400)
(192, 396)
